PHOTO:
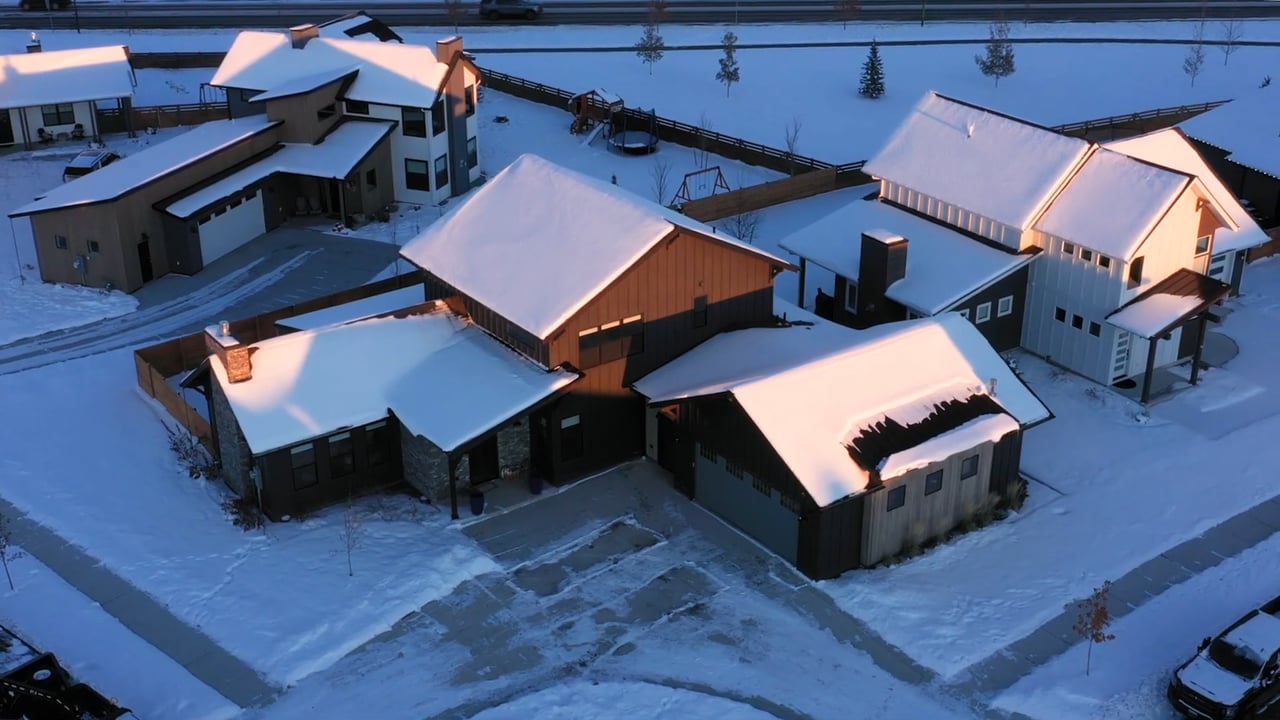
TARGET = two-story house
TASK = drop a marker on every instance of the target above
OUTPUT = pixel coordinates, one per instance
(1107, 232)
(432, 97)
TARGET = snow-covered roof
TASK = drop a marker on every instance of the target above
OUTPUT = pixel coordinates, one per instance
(996, 166)
(538, 241)
(333, 157)
(943, 266)
(1163, 305)
(1113, 203)
(1169, 147)
(808, 388)
(63, 76)
(390, 73)
(306, 83)
(1247, 127)
(145, 166)
(379, 304)
(313, 383)
(987, 428)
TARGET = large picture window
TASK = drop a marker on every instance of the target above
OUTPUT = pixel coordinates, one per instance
(437, 118)
(60, 114)
(342, 456)
(471, 100)
(415, 175)
(413, 122)
(442, 171)
(377, 443)
(611, 341)
(473, 153)
(303, 459)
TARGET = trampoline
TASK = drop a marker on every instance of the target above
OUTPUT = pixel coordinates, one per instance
(634, 142)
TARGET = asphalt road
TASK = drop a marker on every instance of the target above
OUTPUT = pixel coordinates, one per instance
(98, 14)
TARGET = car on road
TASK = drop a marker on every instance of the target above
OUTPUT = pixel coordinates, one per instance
(88, 161)
(1236, 675)
(44, 4)
(497, 9)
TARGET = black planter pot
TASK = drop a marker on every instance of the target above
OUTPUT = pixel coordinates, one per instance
(477, 503)
(535, 484)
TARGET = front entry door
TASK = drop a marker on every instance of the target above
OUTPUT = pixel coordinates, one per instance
(484, 461)
(6, 128)
(144, 260)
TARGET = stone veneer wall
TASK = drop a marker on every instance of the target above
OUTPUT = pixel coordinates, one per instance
(236, 457)
(426, 467)
(513, 445)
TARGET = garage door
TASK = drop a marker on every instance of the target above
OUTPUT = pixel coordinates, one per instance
(745, 504)
(231, 227)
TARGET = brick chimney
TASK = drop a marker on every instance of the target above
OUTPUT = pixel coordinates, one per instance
(233, 354)
(448, 48)
(33, 46)
(882, 263)
(300, 34)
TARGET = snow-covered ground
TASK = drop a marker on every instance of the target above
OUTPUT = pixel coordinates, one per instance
(602, 700)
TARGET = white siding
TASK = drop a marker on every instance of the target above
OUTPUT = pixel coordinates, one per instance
(35, 120)
(949, 214)
(1170, 247)
(404, 147)
(15, 121)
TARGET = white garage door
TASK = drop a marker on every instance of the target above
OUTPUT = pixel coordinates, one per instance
(234, 227)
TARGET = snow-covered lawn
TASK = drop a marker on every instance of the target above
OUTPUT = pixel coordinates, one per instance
(603, 700)
(1130, 673)
(98, 650)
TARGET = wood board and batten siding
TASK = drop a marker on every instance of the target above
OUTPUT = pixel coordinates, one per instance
(952, 215)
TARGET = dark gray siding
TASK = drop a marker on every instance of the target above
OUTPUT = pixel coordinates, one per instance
(182, 242)
(1004, 333)
(1005, 460)
(280, 497)
(238, 104)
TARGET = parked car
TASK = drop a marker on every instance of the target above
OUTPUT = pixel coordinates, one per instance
(88, 161)
(495, 9)
(44, 4)
(1235, 675)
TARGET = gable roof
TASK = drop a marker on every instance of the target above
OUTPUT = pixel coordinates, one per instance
(306, 83)
(1161, 307)
(811, 389)
(1248, 128)
(1113, 203)
(145, 166)
(991, 164)
(943, 265)
(63, 76)
(389, 73)
(538, 241)
(1171, 148)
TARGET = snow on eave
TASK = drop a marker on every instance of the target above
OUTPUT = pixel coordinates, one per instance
(65, 76)
(987, 428)
(1026, 258)
(307, 84)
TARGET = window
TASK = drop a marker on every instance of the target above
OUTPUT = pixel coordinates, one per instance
(897, 498)
(969, 467)
(437, 118)
(571, 437)
(611, 341)
(1135, 273)
(371, 178)
(471, 100)
(963, 312)
(1216, 270)
(1086, 255)
(415, 175)
(377, 443)
(357, 107)
(442, 171)
(1004, 306)
(327, 111)
(733, 468)
(984, 313)
(700, 311)
(413, 122)
(851, 297)
(94, 247)
(1202, 244)
(933, 482)
(1095, 329)
(1068, 249)
(473, 153)
(1077, 322)
(1104, 261)
(1060, 315)
(60, 114)
(60, 242)
(303, 458)
(342, 458)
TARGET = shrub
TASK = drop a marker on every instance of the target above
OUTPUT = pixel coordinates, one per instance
(244, 512)
(193, 456)
(1017, 494)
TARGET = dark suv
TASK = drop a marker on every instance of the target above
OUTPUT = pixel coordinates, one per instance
(495, 9)
(44, 4)
(1235, 676)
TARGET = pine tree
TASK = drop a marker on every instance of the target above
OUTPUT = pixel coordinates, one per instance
(651, 46)
(729, 71)
(998, 61)
(872, 85)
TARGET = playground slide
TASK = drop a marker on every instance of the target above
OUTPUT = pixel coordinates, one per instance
(595, 133)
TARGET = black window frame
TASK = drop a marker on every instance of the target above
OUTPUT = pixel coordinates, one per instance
(377, 443)
(413, 122)
(933, 482)
(438, 124)
(306, 472)
(1208, 245)
(441, 167)
(1104, 261)
(1135, 272)
(1060, 314)
(356, 107)
(572, 442)
(59, 113)
(342, 455)
(424, 184)
(327, 111)
(1068, 248)
(1086, 255)
(1077, 322)
(897, 498)
(94, 247)
(60, 242)
(969, 467)
(473, 152)
(1095, 329)
(371, 178)
(469, 93)
(700, 311)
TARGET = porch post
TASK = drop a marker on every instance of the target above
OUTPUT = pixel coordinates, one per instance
(804, 266)
(453, 486)
(1152, 342)
(93, 121)
(342, 201)
(1195, 356)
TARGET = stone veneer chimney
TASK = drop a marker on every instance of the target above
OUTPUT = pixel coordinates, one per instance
(233, 354)
(300, 34)
(882, 262)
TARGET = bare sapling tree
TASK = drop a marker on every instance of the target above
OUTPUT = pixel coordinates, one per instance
(702, 152)
(1232, 31)
(660, 174)
(8, 551)
(456, 11)
(792, 139)
(352, 531)
(997, 62)
(743, 226)
(729, 72)
(1093, 620)
(1193, 63)
(651, 47)
(847, 10)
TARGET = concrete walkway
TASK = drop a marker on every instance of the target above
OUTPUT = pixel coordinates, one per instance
(989, 677)
(148, 619)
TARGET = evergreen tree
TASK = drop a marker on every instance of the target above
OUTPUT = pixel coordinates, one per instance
(998, 61)
(651, 46)
(872, 85)
(729, 72)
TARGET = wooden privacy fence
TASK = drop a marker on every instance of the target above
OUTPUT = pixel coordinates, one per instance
(1110, 128)
(756, 197)
(175, 60)
(165, 116)
(156, 364)
(668, 130)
